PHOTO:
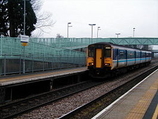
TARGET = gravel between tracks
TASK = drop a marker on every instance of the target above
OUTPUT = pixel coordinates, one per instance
(58, 108)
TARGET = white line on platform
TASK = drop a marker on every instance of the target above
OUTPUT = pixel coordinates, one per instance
(108, 107)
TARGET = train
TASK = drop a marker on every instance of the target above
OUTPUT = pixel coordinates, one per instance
(108, 59)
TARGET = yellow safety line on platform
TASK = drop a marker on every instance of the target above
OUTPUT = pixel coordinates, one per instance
(141, 107)
(39, 75)
(155, 116)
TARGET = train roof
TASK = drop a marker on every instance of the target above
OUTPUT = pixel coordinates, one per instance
(108, 43)
(111, 44)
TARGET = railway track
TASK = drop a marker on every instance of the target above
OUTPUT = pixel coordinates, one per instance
(24, 105)
(17, 107)
(93, 107)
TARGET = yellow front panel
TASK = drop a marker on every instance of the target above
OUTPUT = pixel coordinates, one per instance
(108, 61)
(98, 58)
(90, 61)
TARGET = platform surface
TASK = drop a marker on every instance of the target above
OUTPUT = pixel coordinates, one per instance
(38, 76)
(141, 102)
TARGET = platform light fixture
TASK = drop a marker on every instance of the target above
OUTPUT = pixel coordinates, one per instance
(24, 16)
(98, 31)
(92, 29)
(134, 31)
(68, 25)
(117, 34)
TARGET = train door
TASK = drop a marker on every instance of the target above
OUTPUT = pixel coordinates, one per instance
(126, 56)
(99, 58)
(117, 57)
(135, 57)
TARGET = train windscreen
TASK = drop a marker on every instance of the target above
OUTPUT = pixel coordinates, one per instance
(107, 52)
(91, 51)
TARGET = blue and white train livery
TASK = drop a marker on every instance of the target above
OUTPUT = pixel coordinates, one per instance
(109, 59)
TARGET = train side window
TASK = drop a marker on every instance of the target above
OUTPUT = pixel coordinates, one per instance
(130, 54)
(137, 54)
(122, 54)
(148, 54)
(143, 54)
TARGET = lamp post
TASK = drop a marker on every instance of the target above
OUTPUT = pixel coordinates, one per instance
(24, 34)
(24, 37)
(134, 31)
(68, 25)
(117, 34)
(24, 16)
(98, 31)
(92, 29)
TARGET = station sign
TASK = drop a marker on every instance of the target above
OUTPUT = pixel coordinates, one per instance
(24, 40)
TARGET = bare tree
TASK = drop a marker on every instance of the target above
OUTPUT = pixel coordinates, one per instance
(59, 36)
(44, 19)
(12, 18)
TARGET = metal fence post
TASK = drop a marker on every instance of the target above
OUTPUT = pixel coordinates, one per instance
(4, 65)
(23, 59)
(1, 45)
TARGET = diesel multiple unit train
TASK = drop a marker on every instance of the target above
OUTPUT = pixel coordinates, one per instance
(106, 59)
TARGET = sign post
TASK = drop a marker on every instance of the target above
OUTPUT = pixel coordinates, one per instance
(24, 42)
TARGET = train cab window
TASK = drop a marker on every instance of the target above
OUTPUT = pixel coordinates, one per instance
(107, 52)
(91, 51)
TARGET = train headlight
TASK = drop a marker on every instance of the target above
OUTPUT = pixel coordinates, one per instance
(91, 64)
(107, 64)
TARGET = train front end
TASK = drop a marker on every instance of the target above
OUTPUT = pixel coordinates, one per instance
(99, 60)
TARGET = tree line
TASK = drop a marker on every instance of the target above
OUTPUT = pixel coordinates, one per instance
(12, 17)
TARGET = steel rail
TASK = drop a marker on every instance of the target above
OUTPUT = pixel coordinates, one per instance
(20, 106)
(90, 109)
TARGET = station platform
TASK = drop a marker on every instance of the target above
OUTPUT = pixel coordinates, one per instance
(17, 79)
(141, 102)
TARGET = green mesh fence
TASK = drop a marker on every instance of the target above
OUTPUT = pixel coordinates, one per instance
(39, 55)
(52, 53)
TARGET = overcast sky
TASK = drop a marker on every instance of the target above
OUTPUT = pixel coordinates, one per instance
(112, 16)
